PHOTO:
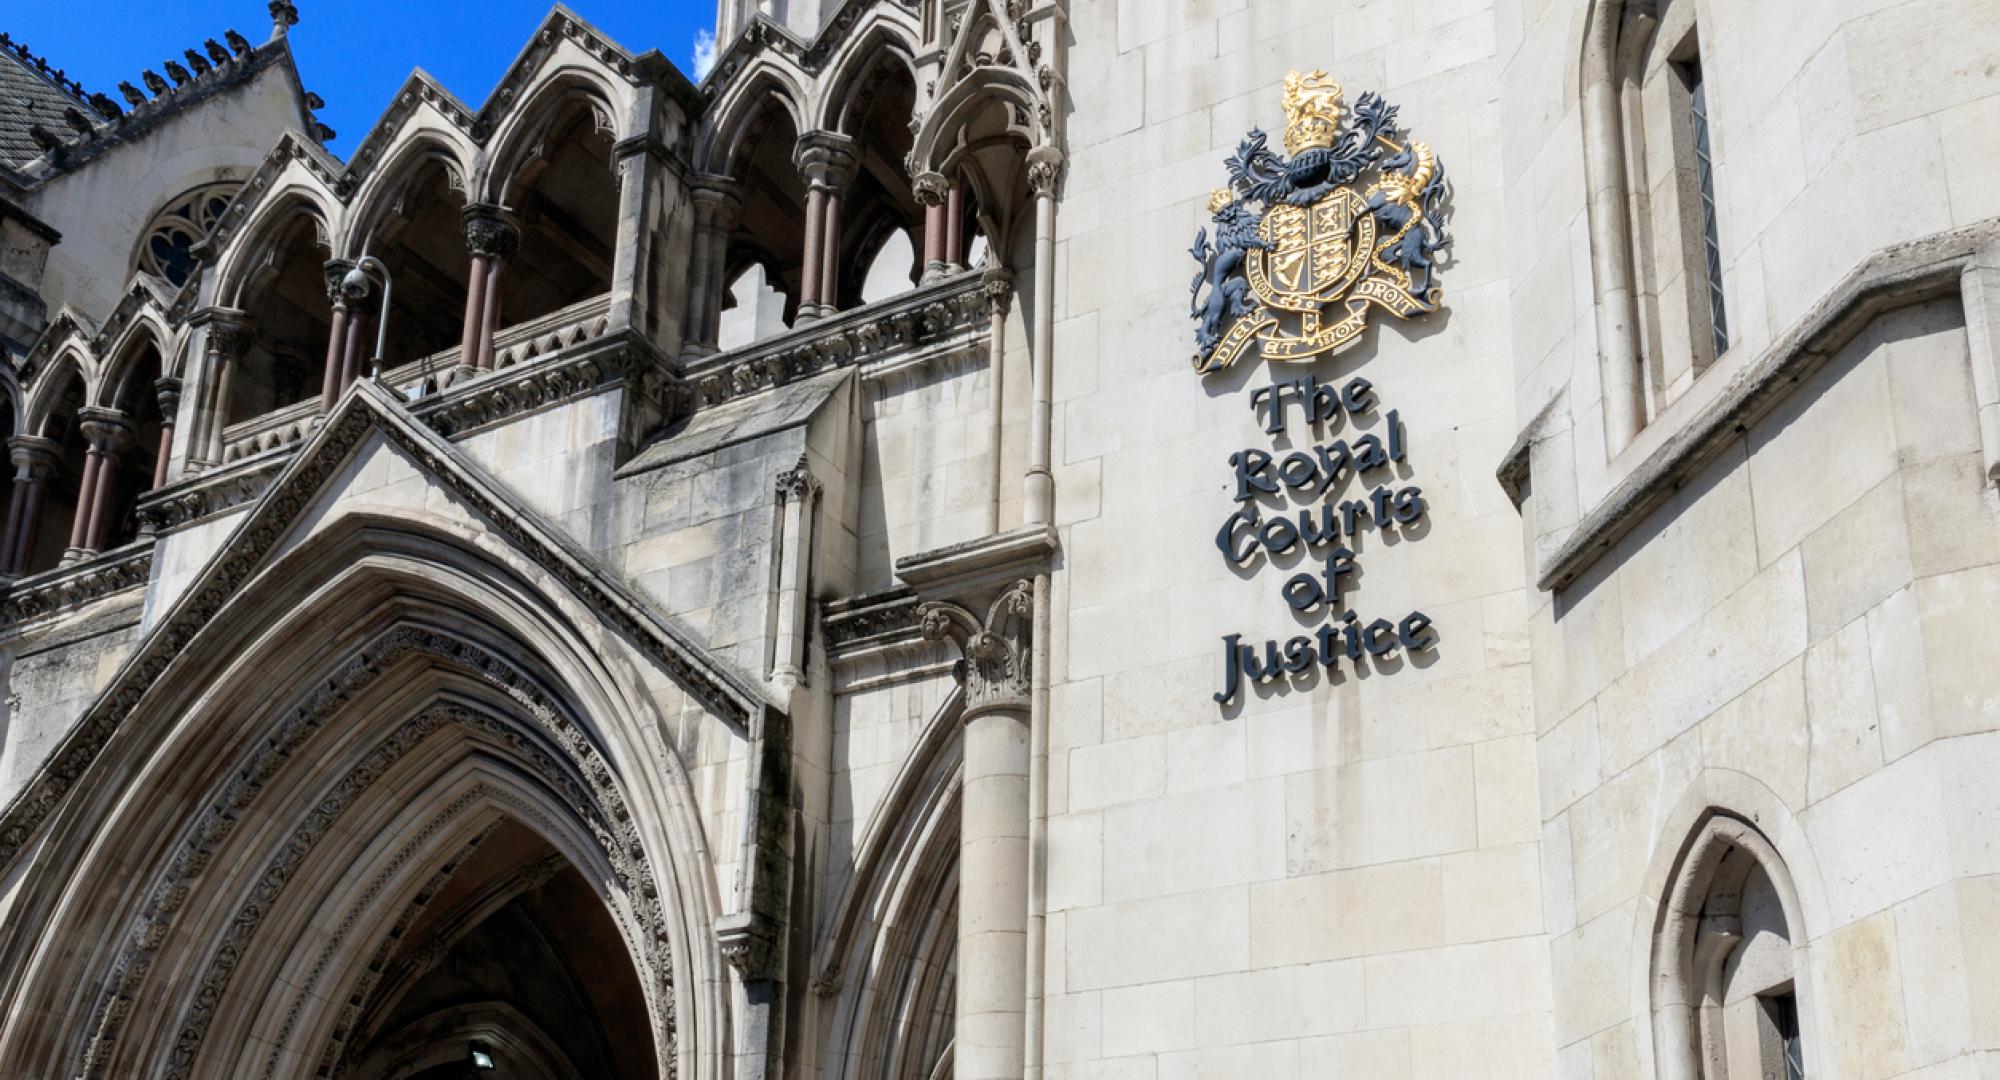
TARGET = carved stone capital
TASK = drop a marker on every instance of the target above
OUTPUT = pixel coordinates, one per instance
(994, 667)
(717, 200)
(930, 188)
(229, 331)
(997, 286)
(168, 392)
(826, 159)
(490, 230)
(107, 430)
(336, 272)
(798, 483)
(1045, 170)
(36, 457)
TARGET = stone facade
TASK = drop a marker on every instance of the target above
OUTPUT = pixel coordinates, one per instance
(720, 579)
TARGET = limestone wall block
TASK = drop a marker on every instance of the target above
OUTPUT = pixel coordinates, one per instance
(1348, 913)
(1461, 982)
(1763, 733)
(1299, 1001)
(1859, 556)
(1389, 809)
(1840, 702)
(1859, 973)
(1119, 944)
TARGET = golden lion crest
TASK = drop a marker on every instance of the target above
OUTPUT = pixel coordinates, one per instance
(1353, 216)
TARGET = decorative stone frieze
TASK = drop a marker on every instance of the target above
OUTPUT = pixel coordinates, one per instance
(71, 587)
(947, 315)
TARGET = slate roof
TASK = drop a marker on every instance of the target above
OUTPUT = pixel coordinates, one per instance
(29, 96)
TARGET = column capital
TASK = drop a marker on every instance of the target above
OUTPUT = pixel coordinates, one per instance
(336, 272)
(168, 391)
(930, 188)
(40, 456)
(826, 159)
(491, 231)
(1045, 170)
(109, 431)
(229, 330)
(720, 198)
(996, 648)
(997, 285)
(798, 484)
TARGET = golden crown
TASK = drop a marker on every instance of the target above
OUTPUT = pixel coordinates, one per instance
(1220, 198)
(1312, 111)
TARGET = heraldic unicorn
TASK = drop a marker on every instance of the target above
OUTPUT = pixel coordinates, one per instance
(1354, 215)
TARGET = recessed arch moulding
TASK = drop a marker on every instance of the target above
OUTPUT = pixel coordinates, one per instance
(281, 833)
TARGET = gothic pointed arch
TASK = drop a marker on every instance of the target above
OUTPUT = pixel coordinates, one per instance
(452, 705)
(409, 156)
(734, 118)
(886, 968)
(1724, 971)
(70, 376)
(504, 618)
(521, 136)
(885, 33)
(296, 178)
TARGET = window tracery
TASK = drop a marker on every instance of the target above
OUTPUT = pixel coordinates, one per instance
(167, 252)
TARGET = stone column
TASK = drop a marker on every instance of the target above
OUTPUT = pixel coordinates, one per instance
(826, 160)
(360, 319)
(954, 226)
(227, 338)
(998, 286)
(336, 338)
(809, 266)
(110, 435)
(798, 490)
(35, 462)
(929, 188)
(1045, 166)
(716, 206)
(994, 672)
(169, 393)
(492, 236)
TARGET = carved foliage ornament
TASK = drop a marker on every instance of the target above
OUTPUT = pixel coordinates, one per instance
(1352, 214)
(994, 669)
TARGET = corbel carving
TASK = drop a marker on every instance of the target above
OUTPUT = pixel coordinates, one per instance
(994, 669)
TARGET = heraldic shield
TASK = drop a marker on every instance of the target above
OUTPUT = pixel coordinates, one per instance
(1354, 217)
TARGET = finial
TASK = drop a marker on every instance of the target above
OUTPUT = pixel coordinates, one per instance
(284, 16)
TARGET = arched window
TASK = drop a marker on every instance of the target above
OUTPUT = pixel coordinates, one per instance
(1727, 969)
(166, 247)
(1656, 223)
(1683, 317)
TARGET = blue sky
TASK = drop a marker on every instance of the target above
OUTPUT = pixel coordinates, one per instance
(353, 53)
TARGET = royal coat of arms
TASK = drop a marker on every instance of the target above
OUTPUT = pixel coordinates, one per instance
(1353, 217)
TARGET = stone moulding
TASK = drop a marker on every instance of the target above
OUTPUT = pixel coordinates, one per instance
(115, 571)
(1890, 278)
(727, 695)
(909, 329)
(879, 619)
